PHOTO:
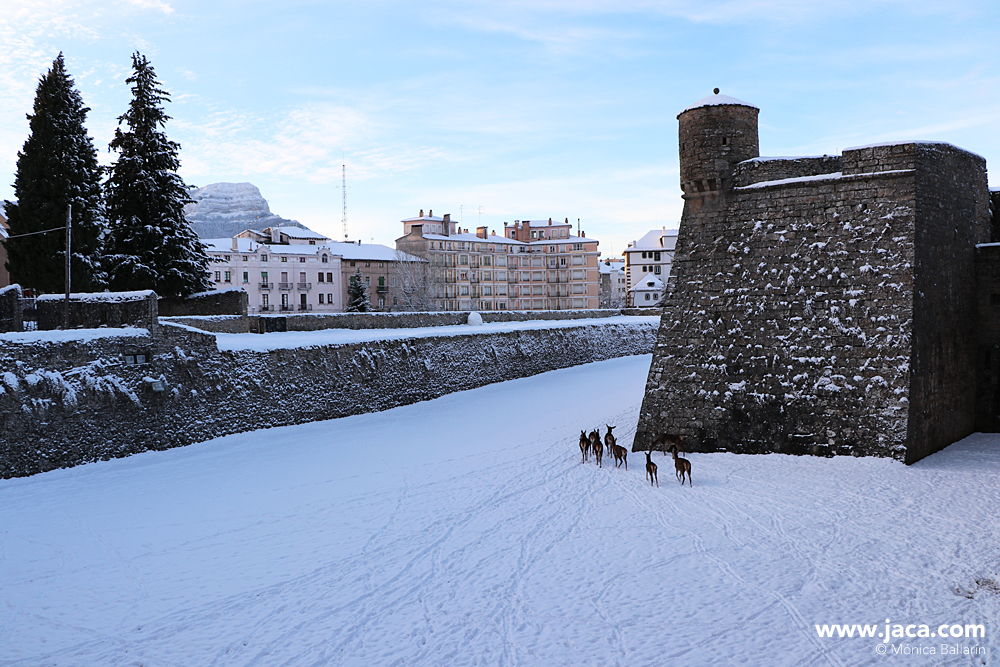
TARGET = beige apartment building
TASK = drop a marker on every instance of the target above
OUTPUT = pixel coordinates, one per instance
(533, 266)
(292, 269)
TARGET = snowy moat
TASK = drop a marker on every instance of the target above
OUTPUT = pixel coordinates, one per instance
(465, 531)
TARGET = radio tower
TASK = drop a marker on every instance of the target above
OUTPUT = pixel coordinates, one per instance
(343, 188)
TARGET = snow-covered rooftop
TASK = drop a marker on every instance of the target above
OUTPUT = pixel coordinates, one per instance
(226, 245)
(300, 233)
(656, 239)
(472, 238)
(616, 266)
(370, 251)
(647, 283)
(718, 100)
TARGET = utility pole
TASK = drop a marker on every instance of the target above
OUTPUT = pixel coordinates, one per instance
(69, 257)
(343, 188)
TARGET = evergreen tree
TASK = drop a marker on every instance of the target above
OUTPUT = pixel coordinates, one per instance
(357, 295)
(152, 245)
(56, 168)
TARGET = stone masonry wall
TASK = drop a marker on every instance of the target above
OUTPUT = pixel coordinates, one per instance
(790, 326)
(760, 169)
(10, 309)
(63, 404)
(952, 216)
(217, 302)
(90, 311)
(988, 338)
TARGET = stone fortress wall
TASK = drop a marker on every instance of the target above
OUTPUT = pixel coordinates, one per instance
(115, 392)
(819, 305)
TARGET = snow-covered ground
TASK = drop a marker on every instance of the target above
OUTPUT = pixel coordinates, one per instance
(465, 531)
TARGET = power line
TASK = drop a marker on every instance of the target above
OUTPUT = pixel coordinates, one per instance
(44, 231)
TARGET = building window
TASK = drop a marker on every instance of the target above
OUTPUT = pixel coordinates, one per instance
(324, 259)
(380, 265)
(381, 303)
(263, 301)
(284, 259)
(329, 299)
(218, 277)
(302, 259)
(227, 258)
(647, 296)
(321, 299)
(246, 276)
(656, 257)
(644, 255)
(245, 258)
(352, 263)
(263, 258)
(312, 243)
(320, 277)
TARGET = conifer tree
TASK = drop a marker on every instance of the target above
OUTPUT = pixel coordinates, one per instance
(56, 168)
(152, 245)
(357, 295)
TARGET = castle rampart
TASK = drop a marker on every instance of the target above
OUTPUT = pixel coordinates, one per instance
(824, 313)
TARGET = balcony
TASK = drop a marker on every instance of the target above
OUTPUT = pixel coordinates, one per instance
(381, 289)
(266, 285)
(285, 308)
(267, 309)
(284, 285)
(304, 286)
(305, 306)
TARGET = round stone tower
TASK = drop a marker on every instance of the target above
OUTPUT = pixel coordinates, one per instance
(715, 134)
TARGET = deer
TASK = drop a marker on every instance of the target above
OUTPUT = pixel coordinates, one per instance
(651, 469)
(596, 447)
(681, 467)
(584, 446)
(666, 440)
(620, 453)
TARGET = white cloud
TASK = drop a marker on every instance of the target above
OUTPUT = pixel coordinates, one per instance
(152, 4)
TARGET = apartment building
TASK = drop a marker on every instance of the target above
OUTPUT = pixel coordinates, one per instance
(533, 266)
(282, 269)
(652, 254)
(291, 269)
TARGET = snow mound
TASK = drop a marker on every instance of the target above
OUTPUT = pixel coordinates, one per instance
(475, 319)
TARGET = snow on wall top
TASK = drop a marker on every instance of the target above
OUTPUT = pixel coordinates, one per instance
(925, 142)
(71, 335)
(297, 339)
(820, 177)
(787, 157)
(718, 100)
(94, 297)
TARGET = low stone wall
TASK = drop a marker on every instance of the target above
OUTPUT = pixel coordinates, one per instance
(317, 321)
(217, 302)
(102, 309)
(63, 404)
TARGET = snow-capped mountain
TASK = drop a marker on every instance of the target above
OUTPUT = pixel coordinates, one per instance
(222, 210)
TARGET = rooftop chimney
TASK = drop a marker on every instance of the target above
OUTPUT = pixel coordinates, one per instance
(421, 213)
(550, 221)
(430, 213)
(481, 232)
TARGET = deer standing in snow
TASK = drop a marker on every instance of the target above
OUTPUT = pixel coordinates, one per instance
(651, 469)
(584, 446)
(620, 453)
(681, 467)
(596, 446)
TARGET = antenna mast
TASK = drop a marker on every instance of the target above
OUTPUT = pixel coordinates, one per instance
(343, 188)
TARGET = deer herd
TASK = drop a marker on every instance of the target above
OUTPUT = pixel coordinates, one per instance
(590, 444)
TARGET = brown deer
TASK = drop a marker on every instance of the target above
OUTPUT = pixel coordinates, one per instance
(620, 453)
(681, 467)
(666, 440)
(596, 447)
(584, 446)
(651, 469)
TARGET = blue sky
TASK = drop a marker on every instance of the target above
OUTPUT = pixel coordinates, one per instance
(537, 109)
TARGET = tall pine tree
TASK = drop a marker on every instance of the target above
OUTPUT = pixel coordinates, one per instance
(152, 245)
(57, 167)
